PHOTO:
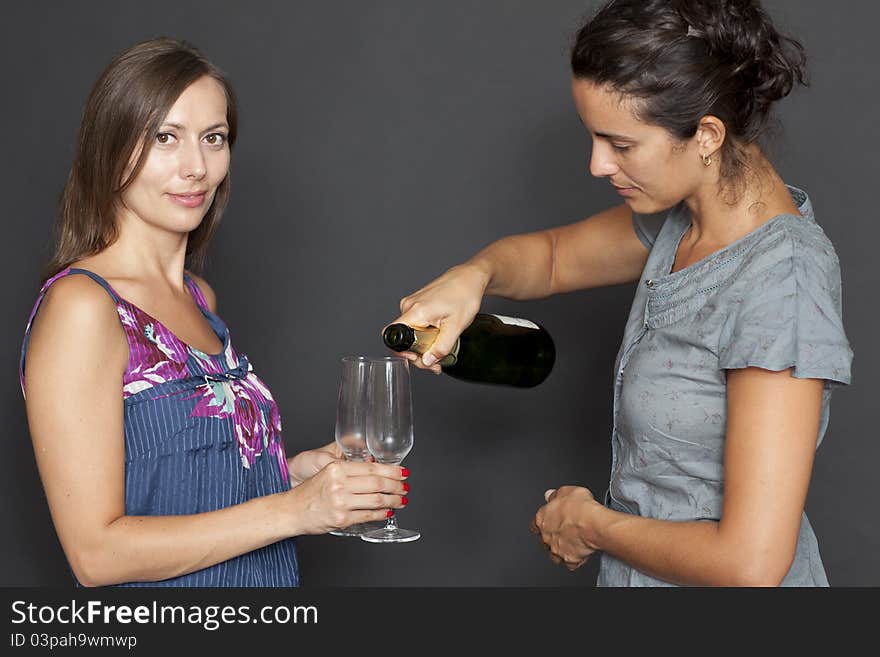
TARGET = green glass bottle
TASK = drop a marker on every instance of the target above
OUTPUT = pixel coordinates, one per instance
(494, 349)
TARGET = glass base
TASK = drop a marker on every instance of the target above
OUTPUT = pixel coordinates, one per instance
(391, 535)
(358, 529)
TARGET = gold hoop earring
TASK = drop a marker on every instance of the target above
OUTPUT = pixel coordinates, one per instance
(707, 159)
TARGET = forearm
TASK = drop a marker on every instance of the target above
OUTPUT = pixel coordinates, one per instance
(152, 548)
(518, 267)
(689, 553)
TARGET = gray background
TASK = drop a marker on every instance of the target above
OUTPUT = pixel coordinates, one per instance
(381, 143)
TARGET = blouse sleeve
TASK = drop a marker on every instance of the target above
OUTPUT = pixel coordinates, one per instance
(789, 315)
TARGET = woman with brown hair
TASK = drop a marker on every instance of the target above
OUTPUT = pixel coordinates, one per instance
(159, 448)
(723, 382)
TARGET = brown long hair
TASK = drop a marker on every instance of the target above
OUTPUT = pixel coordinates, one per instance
(124, 110)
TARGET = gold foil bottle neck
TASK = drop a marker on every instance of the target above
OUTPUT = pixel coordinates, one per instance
(425, 337)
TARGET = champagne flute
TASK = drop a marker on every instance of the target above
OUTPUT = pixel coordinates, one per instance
(351, 420)
(389, 431)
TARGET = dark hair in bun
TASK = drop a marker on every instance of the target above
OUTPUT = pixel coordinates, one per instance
(685, 59)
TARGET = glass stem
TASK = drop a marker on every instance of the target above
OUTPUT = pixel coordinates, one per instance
(391, 523)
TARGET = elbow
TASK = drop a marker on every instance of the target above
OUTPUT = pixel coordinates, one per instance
(764, 569)
(89, 567)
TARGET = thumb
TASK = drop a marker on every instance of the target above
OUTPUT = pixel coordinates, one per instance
(549, 494)
(443, 345)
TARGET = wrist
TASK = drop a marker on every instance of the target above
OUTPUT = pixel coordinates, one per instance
(593, 521)
(482, 270)
(288, 513)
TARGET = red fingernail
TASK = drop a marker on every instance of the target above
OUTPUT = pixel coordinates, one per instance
(405, 487)
(389, 513)
(404, 501)
(404, 472)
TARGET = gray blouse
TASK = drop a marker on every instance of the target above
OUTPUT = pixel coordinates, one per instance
(772, 300)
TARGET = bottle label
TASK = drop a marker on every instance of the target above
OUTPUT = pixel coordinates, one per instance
(516, 321)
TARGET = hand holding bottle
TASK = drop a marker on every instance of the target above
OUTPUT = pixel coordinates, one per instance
(449, 302)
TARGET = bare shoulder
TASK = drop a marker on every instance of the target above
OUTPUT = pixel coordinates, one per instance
(76, 316)
(78, 300)
(207, 290)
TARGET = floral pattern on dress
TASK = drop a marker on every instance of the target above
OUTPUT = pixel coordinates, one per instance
(230, 389)
(254, 414)
(167, 362)
(236, 393)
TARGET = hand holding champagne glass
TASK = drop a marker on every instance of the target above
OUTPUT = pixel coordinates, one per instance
(351, 420)
(389, 435)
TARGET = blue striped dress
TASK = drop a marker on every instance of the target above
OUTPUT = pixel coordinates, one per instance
(202, 432)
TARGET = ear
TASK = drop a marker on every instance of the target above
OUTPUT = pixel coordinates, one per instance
(710, 134)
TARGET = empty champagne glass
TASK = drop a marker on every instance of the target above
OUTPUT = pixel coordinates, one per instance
(351, 421)
(389, 431)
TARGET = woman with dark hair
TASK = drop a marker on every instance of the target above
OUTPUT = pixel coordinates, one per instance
(734, 341)
(159, 448)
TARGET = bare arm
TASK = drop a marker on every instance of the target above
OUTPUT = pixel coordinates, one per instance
(773, 421)
(600, 250)
(75, 362)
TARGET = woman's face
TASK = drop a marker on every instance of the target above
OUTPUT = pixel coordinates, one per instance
(650, 169)
(186, 162)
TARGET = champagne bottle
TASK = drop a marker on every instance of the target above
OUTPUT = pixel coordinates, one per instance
(493, 349)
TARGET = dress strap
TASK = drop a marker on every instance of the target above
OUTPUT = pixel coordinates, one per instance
(100, 281)
(65, 272)
(196, 292)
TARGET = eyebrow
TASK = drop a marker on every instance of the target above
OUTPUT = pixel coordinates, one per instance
(213, 127)
(608, 135)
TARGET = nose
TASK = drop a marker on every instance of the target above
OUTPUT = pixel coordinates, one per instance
(192, 162)
(602, 161)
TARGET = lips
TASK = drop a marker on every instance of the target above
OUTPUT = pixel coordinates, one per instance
(189, 199)
(625, 191)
